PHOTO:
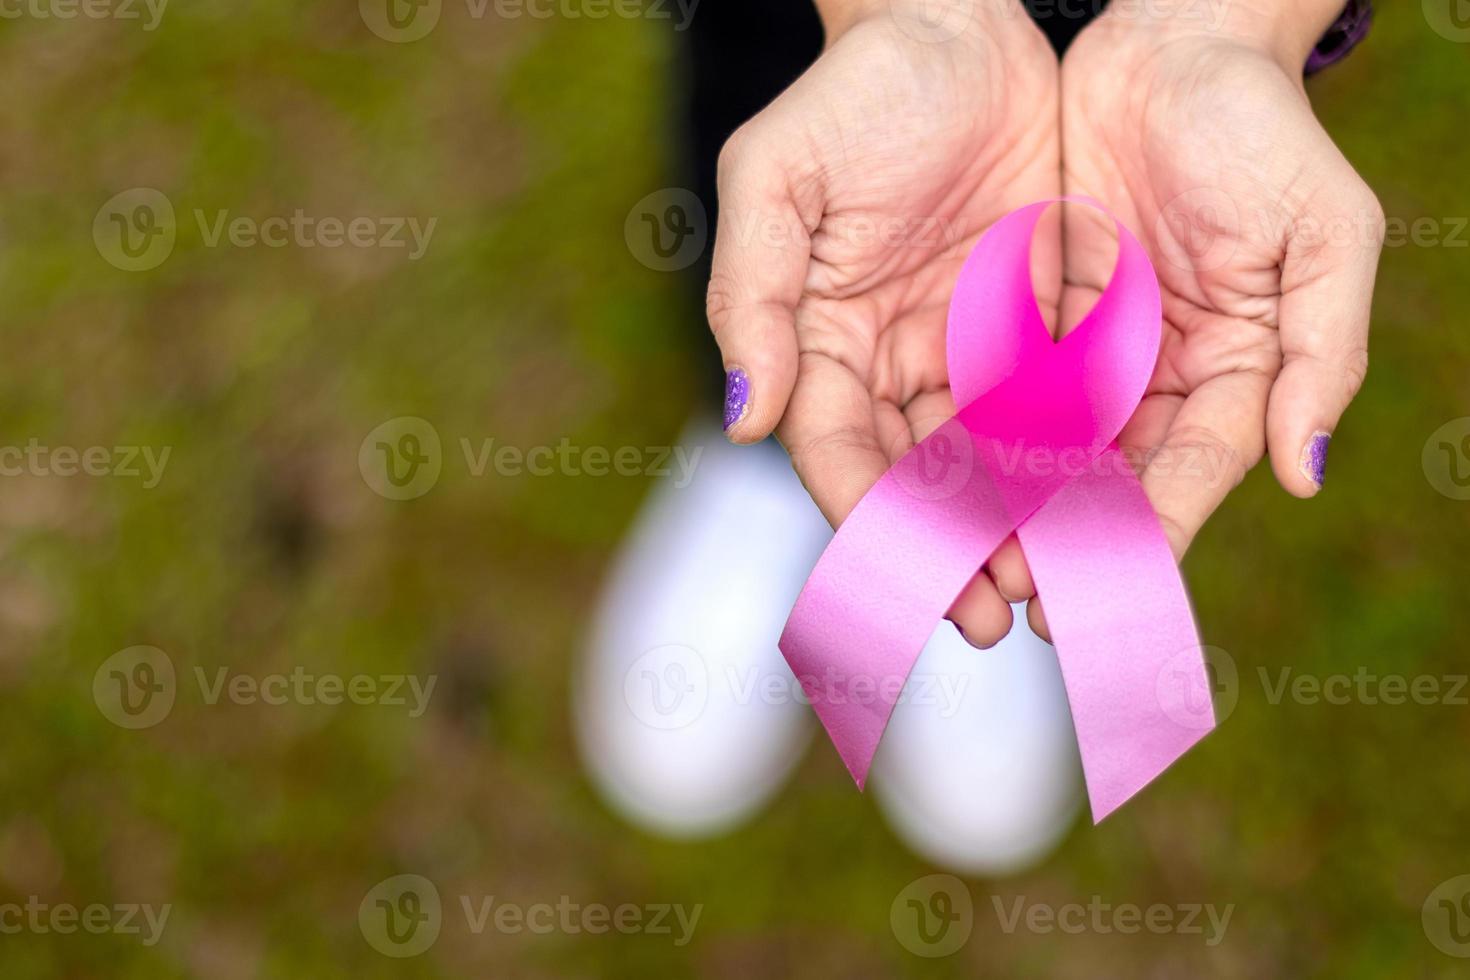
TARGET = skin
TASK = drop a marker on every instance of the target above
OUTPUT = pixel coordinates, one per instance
(849, 204)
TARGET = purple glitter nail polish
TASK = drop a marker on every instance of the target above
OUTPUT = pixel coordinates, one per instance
(1313, 463)
(1345, 33)
(737, 395)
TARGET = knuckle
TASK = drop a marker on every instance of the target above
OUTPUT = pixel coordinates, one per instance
(832, 446)
(1196, 450)
(1355, 369)
(1361, 207)
(738, 150)
(1369, 206)
(1178, 535)
(719, 300)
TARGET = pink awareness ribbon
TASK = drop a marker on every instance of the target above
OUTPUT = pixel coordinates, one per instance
(1031, 450)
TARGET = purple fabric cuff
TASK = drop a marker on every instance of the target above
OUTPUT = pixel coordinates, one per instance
(1350, 27)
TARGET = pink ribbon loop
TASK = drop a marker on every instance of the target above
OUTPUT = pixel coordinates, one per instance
(1031, 450)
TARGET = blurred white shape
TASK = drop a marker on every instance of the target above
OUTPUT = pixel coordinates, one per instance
(978, 771)
(687, 716)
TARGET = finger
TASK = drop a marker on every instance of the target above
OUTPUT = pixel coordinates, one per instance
(1010, 573)
(1326, 296)
(830, 431)
(1214, 439)
(1047, 266)
(983, 617)
(762, 248)
(1091, 251)
(1036, 619)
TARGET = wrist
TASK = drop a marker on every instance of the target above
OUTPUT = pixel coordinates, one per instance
(839, 16)
(930, 20)
(1291, 29)
(1287, 31)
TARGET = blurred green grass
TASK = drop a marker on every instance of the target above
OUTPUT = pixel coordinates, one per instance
(527, 321)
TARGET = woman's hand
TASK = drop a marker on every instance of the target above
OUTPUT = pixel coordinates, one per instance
(1200, 138)
(846, 210)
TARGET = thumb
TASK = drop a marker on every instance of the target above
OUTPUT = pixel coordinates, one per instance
(1326, 296)
(767, 210)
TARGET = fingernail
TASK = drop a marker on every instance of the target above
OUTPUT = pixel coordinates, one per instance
(965, 636)
(737, 397)
(1313, 463)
